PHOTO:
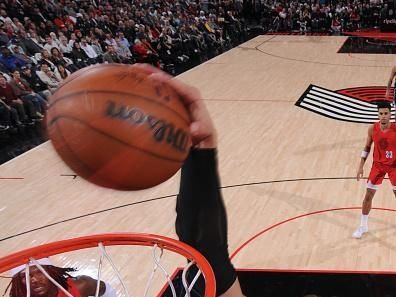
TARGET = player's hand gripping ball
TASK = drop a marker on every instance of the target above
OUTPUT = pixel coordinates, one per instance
(115, 127)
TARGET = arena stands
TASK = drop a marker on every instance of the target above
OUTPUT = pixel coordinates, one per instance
(331, 17)
(45, 41)
(42, 42)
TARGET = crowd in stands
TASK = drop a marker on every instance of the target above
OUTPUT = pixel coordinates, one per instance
(316, 16)
(42, 42)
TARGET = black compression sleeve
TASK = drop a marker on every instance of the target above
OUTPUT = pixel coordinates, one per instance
(201, 216)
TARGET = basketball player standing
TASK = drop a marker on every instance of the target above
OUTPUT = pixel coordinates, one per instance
(383, 134)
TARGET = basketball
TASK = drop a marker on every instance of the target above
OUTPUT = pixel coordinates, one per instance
(118, 129)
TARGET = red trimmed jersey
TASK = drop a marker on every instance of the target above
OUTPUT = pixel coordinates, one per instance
(384, 145)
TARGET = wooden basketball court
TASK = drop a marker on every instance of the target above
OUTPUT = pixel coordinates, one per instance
(286, 170)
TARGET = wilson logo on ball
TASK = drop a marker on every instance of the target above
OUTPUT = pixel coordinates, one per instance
(115, 127)
(161, 130)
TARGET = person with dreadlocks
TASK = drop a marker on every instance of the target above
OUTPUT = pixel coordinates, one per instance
(41, 286)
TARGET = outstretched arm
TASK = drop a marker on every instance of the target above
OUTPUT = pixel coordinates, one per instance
(201, 216)
(202, 219)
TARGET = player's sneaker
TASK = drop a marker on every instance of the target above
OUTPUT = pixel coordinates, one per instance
(359, 232)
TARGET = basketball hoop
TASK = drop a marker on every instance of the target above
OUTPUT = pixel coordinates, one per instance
(101, 241)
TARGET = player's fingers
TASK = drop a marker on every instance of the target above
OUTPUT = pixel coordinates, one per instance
(199, 131)
(146, 68)
(187, 93)
(183, 90)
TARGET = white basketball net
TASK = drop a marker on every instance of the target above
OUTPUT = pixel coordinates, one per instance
(157, 253)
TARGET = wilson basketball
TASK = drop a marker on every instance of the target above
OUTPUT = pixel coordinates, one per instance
(116, 128)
